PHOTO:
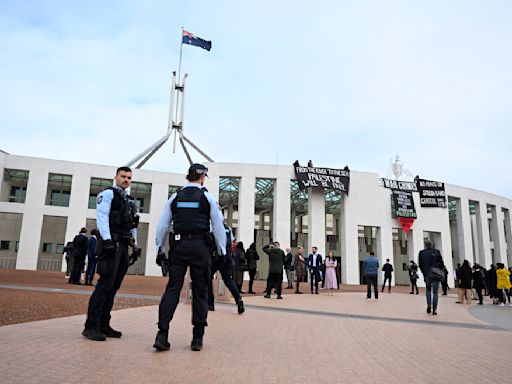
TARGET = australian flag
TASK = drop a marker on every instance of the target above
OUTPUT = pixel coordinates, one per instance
(189, 38)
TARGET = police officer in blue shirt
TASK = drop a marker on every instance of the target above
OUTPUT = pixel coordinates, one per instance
(190, 211)
(117, 220)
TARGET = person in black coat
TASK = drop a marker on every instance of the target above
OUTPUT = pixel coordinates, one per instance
(429, 258)
(491, 280)
(478, 282)
(465, 275)
(79, 253)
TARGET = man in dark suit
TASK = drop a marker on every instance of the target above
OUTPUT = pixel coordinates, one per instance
(315, 265)
(79, 253)
(428, 259)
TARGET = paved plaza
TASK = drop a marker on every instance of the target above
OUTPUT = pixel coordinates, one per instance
(301, 339)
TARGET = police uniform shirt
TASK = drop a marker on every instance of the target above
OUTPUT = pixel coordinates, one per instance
(103, 204)
(216, 219)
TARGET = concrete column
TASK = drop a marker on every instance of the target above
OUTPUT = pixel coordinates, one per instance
(78, 204)
(212, 184)
(415, 244)
(281, 212)
(445, 247)
(159, 194)
(484, 243)
(498, 235)
(316, 220)
(464, 234)
(384, 249)
(32, 224)
(246, 201)
(508, 235)
(293, 215)
(349, 244)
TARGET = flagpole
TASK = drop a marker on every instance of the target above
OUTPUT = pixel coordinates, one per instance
(181, 50)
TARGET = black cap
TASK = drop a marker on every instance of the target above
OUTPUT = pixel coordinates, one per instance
(198, 169)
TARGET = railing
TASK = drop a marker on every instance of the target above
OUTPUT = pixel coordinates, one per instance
(49, 265)
(8, 262)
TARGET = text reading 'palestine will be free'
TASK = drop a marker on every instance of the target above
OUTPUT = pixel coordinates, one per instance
(313, 177)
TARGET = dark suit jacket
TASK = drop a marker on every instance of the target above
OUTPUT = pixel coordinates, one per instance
(80, 246)
(315, 264)
(428, 258)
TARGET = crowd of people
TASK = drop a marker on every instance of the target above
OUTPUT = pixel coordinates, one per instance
(476, 281)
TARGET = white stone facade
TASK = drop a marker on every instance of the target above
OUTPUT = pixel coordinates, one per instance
(479, 237)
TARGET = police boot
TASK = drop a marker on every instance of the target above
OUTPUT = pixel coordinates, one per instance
(161, 343)
(197, 343)
(241, 308)
(94, 334)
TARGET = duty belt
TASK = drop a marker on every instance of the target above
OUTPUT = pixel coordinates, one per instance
(190, 236)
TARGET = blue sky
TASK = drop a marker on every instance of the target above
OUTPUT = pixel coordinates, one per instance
(338, 82)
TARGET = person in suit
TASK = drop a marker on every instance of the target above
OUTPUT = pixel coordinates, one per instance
(429, 258)
(92, 257)
(314, 266)
(79, 253)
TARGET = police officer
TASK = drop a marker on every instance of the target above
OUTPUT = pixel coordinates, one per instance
(117, 221)
(190, 210)
(225, 266)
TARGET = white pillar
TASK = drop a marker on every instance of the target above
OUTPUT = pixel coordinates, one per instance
(498, 235)
(464, 234)
(484, 243)
(384, 249)
(32, 224)
(316, 220)
(281, 211)
(349, 243)
(508, 235)
(159, 194)
(416, 244)
(246, 201)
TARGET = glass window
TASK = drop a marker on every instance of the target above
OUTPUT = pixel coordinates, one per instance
(96, 186)
(59, 190)
(47, 247)
(60, 248)
(5, 245)
(141, 192)
(17, 246)
(15, 186)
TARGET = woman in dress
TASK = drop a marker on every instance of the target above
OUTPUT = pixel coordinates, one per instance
(331, 282)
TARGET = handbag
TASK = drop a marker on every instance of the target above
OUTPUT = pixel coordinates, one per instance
(436, 274)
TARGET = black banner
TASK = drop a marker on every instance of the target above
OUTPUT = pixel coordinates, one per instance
(399, 185)
(402, 204)
(432, 193)
(314, 177)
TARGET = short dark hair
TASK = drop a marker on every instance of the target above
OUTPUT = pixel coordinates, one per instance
(387, 259)
(372, 253)
(83, 230)
(193, 176)
(124, 168)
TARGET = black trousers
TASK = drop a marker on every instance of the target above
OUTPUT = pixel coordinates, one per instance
(479, 294)
(252, 274)
(315, 277)
(275, 280)
(371, 280)
(78, 266)
(196, 255)
(414, 285)
(111, 270)
(387, 278)
(226, 271)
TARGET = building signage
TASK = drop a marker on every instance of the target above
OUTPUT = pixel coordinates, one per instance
(402, 204)
(314, 177)
(432, 193)
(399, 185)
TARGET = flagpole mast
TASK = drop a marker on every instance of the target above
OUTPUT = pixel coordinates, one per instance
(181, 50)
(178, 83)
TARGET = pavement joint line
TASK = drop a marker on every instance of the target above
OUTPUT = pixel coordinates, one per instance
(287, 310)
(441, 323)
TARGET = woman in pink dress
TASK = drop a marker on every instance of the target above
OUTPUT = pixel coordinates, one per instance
(330, 273)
